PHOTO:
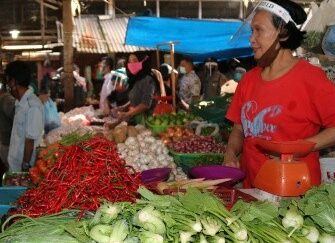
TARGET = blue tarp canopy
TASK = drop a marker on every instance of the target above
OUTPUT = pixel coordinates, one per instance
(199, 39)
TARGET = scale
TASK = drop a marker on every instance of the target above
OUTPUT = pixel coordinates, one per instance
(287, 175)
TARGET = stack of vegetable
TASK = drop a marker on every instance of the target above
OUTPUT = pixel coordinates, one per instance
(190, 217)
(46, 159)
(120, 133)
(82, 176)
(193, 217)
(313, 215)
(197, 144)
(179, 119)
(52, 229)
(47, 156)
(145, 152)
(174, 134)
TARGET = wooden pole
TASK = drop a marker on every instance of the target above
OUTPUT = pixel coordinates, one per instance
(68, 55)
(200, 9)
(42, 21)
(158, 9)
(157, 58)
(173, 77)
(111, 8)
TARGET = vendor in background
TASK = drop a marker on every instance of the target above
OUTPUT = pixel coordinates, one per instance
(239, 73)
(7, 110)
(28, 122)
(106, 90)
(141, 86)
(166, 71)
(80, 87)
(189, 83)
(213, 80)
(284, 98)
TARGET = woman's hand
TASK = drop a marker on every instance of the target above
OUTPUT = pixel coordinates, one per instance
(234, 147)
(123, 116)
(106, 112)
(230, 159)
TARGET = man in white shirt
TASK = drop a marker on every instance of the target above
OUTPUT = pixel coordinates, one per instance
(28, 122)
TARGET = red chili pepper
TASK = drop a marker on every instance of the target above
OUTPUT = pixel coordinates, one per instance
(82, 176)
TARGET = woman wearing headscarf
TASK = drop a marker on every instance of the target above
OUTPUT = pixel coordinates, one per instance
(282, 99)
(142, 86)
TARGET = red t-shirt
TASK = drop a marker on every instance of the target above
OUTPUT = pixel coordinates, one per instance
(294, 106)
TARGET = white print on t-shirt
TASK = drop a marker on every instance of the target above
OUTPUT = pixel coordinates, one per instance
(257, 127)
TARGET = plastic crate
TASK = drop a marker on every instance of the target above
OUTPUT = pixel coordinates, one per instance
(188, 161)
(10, 194)
(4, 209)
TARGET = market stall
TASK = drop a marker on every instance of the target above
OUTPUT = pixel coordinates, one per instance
(148, 184)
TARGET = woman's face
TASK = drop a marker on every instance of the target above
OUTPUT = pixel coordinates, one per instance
(132, 58)
(263, 33)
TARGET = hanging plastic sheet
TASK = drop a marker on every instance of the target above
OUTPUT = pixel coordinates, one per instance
(199, 39)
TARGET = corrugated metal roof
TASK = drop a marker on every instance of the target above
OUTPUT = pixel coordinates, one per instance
(115, 33)
(88, 36)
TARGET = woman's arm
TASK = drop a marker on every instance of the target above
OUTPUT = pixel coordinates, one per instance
(324, 139)
(234, 147)
(133, 112)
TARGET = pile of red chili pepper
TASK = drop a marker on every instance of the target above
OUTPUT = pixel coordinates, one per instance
(82, 176)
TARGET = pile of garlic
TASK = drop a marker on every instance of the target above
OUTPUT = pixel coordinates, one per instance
(145, 152)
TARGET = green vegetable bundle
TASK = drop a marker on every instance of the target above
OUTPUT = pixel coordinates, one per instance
(313, 215)
(192, 217)
(57, 228)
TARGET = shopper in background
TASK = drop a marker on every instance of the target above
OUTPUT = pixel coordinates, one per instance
(284, 98)
(7, 110)
(213, 80)
(28, 122)
(239, 73)
(80, 87)
(108, 64)
(166, 71)
(189, 83)
(119, 95)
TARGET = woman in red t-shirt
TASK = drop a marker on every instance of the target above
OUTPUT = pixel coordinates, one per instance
(283, 98)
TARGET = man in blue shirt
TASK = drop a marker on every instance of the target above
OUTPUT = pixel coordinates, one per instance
(28, 122)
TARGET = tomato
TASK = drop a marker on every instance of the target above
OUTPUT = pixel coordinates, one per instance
(50, 163)
(35, 175)
(36, 179)
(42, 166)
(42, 153)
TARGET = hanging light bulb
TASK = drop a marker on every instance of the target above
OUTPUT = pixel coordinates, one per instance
(14, 33)
(145, 3)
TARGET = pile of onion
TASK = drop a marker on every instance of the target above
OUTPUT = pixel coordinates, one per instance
(197, 144)
(174, 134)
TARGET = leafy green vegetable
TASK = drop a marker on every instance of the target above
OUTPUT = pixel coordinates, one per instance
(52, 228)
(211, 225)
(319, 204)
(101, 232)
(150, 219)
(120, 231)
(149, 237)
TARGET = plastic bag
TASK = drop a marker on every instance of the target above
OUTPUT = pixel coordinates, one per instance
(51, 116)
(322, 17)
